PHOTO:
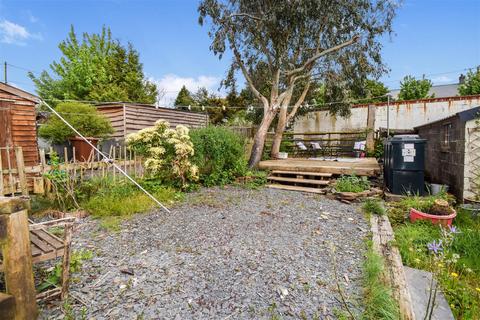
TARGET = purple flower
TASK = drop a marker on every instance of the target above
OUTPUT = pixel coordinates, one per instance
(435, 246)
(453, 229)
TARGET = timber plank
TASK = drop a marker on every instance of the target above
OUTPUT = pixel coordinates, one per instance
(299, 180)
(295, 188)
(303, 173)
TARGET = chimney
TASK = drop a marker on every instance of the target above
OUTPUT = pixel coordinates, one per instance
(461, 79)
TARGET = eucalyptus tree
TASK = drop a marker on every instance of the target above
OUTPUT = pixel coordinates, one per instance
(298, 40)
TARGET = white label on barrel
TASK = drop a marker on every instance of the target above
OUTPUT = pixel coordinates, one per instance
(409, 146)
(408, 158)
(408, 152)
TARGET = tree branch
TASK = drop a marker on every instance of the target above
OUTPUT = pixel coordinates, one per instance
(299, 101)
(313, 59)
(246, 15)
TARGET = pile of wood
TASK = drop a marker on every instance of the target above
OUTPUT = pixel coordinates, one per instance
(348, 197)
(305, 181)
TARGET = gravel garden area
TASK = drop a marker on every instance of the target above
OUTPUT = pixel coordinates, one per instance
(223, 253)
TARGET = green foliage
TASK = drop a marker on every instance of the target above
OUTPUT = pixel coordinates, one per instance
(377, 150)
(98, 68)
(379, 302)
(371, 92)
(373, 206)
(471, 84)
(456, 267)
(400, 210)
(352, 183)
(122, 199)
(167, 153)
(54, 277)
(219, 155)
(255, 179)
(85, 118)
(184, 98)
(413, 89)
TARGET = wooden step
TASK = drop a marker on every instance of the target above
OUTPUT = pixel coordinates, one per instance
(303, 173)
(296, 188)
(299, 180)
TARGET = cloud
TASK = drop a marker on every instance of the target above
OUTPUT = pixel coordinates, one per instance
(170, 85)
(31, 17)
(442, 79)
(12, 33)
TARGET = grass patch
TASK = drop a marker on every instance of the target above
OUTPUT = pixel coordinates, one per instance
(253, 180)
(379, 303)
(458, 271)
(373, 206)
(352, 183)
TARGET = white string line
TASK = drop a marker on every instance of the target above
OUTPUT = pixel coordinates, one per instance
(107, 159)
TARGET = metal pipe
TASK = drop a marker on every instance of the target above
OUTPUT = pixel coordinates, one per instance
(388, 115)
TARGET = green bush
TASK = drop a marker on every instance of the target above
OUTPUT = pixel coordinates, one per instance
(219, 155)
(83, 117)
(352, 183)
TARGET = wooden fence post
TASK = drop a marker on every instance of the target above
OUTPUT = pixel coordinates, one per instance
(370, 145)
(17, 256)
(22, 177)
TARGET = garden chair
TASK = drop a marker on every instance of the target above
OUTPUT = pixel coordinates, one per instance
(47, 246)
(315, 148)
(300, 148)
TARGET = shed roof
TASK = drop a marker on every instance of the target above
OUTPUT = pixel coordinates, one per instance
(19, 92)
(464, 116)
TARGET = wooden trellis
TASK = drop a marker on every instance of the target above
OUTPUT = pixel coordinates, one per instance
(472, 161)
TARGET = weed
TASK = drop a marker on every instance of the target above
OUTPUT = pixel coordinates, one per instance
(373, 206)
(379, 303)
(54, 277)
(352, 183)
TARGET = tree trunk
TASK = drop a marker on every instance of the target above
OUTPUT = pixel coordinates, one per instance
(277, 139)
(259, 139)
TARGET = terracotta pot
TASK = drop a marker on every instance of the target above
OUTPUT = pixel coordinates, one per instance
(443, 220)
(82, 149)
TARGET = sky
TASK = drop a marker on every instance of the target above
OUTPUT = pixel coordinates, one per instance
(436, 38)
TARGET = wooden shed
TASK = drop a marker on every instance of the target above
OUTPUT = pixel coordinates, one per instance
(18, 122)
(452, 153)
(127, 118)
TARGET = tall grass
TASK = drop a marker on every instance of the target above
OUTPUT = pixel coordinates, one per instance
(379, 303)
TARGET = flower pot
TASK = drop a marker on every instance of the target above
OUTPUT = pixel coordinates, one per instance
(443, 220)
(282, 155)
(82, 149)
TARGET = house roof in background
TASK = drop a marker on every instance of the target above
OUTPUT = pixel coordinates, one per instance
(439, 91)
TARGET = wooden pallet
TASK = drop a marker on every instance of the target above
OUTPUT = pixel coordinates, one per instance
(304, 181)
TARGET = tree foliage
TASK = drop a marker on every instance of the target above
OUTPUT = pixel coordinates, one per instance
(83, 117)
(97, 68)
(289, 38)
(413, 89)
(184, 98)
(471, 84)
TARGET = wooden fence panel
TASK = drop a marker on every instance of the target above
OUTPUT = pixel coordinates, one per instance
(17, 178)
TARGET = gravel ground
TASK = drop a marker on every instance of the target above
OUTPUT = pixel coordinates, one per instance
(223, 254)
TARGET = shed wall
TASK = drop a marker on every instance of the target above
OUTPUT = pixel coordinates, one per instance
(445, 153)
(18, 126)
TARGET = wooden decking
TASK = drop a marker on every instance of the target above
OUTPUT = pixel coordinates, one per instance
(361, 167)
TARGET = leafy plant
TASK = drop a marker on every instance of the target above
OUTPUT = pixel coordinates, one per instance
(54, 277)
(167, 152)
(219, 155)
(351, 183)
(85, 118)
(63, 185)
(374, 206)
